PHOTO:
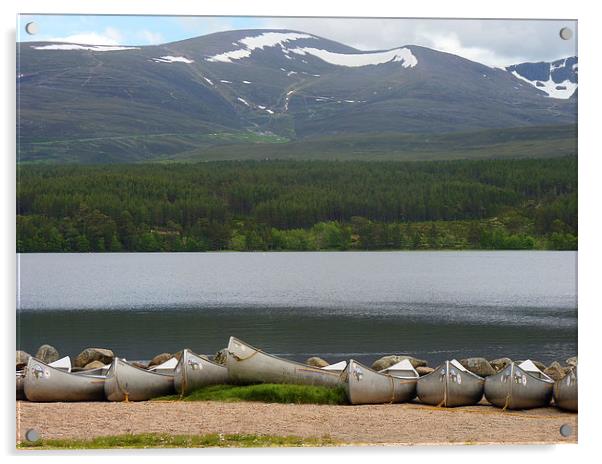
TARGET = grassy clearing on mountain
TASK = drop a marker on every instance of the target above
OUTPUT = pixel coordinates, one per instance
(266, 393)
(151, 440)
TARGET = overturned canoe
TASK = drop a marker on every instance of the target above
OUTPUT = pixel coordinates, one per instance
(167, 367)
(250, 365)
(129, 383)
(519, 386)
(566, 391)
(366, 386)
(336, 367)
(193, 372)
(43, 382)
(450, 385)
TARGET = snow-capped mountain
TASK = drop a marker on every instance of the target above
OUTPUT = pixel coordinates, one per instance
(558, 79)
(288, 83)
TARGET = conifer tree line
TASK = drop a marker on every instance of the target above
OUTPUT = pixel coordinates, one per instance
(298, 205)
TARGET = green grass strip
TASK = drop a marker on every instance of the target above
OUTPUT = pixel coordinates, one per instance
(153, 440)
(266, 393)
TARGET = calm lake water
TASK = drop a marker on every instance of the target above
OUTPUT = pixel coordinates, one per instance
(434, 305)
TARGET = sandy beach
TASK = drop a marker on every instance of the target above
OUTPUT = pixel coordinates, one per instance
(402, 424)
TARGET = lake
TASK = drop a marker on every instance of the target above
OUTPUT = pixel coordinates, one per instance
(434, 305)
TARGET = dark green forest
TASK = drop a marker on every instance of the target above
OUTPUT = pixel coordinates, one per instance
(298, 205)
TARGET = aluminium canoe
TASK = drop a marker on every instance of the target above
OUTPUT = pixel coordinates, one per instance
(247, 365)
(193, 372)
(450, 385)
(43, 382)
(129, 383)
(366, 386)
(565, 391)
(336, 367)
(519, 386)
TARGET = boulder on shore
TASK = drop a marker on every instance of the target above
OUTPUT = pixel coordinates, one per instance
(94, 365)
(93, 354)
(47, 354)
(220, 356)
(388, 361)
(572, 362)
(315, 361)
(22, 357)
(555, 371)
(500, 363)
(423, 370)
(160, 359)
(478, 366)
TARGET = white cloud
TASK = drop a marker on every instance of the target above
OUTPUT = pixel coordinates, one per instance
(492, 42)
(151, 38)
(110, 36)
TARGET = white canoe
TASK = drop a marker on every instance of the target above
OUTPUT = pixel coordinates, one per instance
(335, 367)
(167, 367)
(193, 372)
(519, 386)
(247, 365)
(129, 383)
(366, 386)
(43, 382)
(450, 385)
(566, 391)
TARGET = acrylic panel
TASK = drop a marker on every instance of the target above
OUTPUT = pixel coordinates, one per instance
(299, 231)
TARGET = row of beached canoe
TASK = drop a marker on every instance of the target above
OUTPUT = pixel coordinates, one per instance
(518, 386)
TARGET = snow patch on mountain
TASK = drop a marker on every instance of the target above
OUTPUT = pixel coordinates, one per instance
(561, 90)
(267, 39)
(92, 48)
(227, 57)
(173, 59)
(271, 39)
(558, 79)
(354, 60)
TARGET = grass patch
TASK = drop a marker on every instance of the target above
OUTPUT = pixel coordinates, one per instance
(153, 440)
(266, 393)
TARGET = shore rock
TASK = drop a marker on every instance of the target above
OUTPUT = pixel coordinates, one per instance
(388, 361)
(572, 362)
(47, 354)
(555, 371)
(315, 361)
(93, 354)
(423, 370)
(500, 363)
(94, 365)
(22, 357)
(479, 366)
(220, 356)
(160, 359)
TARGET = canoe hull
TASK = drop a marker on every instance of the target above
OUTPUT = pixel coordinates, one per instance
(248, 365)
(128, 383)
(566, 392)
(366, 386)
(43, 383)
(515, 388)
(449, 387)
(194, 372)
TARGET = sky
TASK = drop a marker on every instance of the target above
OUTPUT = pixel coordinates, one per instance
(491, 42)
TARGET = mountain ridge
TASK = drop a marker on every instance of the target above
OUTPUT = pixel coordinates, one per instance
(273, 83)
